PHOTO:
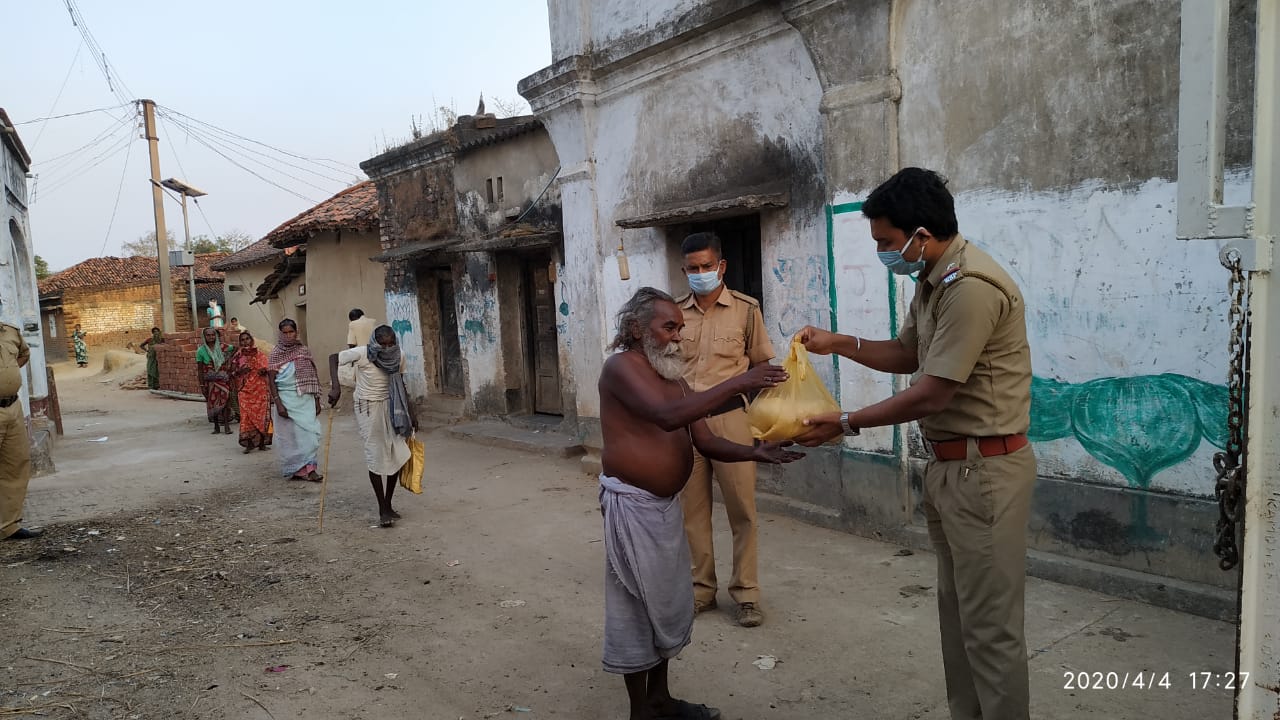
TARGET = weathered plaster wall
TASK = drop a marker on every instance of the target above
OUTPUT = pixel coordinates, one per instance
(479, 330)
(750, 122)
(402, 316)
(526, 164)
(340, 276)
(259, 319)
(19, 298)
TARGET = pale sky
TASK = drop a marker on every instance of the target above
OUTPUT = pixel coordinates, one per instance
(316, 78)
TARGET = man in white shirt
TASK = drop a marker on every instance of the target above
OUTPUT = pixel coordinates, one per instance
(360, 328)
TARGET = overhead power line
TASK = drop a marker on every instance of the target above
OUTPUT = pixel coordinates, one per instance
(75, 114)
(115, 82)
(336, 164)
(119, 191)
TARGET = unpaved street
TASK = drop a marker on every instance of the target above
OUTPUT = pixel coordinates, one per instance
(179, 578)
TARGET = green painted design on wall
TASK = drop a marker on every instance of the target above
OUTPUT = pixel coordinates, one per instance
(401, 327)
(564, 309)
(1136, 425)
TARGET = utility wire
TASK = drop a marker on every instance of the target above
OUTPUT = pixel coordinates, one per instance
(55, 164)
(74, 114)
(58, 97)
(338, 165)
(249, 158)
(116, 84)
(119, 192)
(68, 168)
(251, 172)
(247, 151)
(107, 155)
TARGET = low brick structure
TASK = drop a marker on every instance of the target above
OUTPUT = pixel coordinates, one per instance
(116, 301)
(177, 359)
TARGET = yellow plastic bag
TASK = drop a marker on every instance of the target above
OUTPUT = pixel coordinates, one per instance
(411, 473)
(778, 413)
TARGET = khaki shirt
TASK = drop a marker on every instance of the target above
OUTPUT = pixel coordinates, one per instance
(714, 342)
(968, 323)
(13, 354)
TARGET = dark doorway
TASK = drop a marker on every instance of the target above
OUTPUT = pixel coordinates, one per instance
(450, 359)
(740, 237)
(544, 345)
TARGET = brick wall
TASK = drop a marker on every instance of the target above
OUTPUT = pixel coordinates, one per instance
(177, 359)
(415, 204)
(119, 316)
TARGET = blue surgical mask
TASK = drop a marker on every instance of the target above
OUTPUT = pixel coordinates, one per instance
(898, 264)
(704, 283)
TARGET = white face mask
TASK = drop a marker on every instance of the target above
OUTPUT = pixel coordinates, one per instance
(704, 283)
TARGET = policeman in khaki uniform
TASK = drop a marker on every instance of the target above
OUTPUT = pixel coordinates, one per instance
(723, 337)
(965, 344)
(15, 448)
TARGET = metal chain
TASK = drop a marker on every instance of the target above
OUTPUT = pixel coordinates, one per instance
(1230, 463)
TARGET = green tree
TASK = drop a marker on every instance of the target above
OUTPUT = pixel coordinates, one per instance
(42, 268)
(227, 243)
(144, 246)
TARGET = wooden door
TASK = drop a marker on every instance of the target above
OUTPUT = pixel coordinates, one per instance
(450, 360)
(544, 341)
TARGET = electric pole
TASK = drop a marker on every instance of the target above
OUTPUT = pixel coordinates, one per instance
(157, 200)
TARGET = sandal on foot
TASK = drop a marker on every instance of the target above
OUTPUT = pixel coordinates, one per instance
(386, 521)
(314, 476)
(394, 514)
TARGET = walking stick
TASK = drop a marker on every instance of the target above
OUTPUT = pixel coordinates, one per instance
(324, 483)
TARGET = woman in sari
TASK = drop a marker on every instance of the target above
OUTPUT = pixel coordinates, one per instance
(215, 381)
(295, 385)
(249, 382)
(82, 349)
(153, 363)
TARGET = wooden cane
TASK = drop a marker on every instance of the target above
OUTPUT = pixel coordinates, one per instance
(324, 483)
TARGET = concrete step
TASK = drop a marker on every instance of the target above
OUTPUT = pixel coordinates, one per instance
(500, 434)
(536, 423)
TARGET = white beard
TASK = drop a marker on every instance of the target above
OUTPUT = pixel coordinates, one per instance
(665, 361)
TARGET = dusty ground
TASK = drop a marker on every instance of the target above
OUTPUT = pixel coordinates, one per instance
(175, 572)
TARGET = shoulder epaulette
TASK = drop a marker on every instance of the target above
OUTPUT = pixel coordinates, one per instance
(745, 298)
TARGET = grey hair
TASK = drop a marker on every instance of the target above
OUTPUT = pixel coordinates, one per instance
(635, 316)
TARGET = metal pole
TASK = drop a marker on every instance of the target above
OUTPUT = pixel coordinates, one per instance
(1259, 648)
(191, 271)
(157, 201)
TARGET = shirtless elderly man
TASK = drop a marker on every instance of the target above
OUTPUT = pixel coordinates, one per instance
(651, 422)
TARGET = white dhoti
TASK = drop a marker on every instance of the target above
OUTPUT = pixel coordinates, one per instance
(648, 597)
(384, 451)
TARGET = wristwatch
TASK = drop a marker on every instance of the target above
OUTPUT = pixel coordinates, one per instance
(849, 430)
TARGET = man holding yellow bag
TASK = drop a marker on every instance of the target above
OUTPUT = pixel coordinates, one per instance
(383, 412)
(965, 343)
(724, 336)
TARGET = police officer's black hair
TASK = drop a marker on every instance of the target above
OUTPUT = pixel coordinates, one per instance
(355, 314)
(914, 198)
(700, 241)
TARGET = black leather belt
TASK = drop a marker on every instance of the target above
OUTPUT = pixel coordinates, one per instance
(6, 402)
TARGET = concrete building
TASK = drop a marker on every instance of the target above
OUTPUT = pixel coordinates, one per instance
(314, 269)
(472, 242)
(116, 302)
(19, 305)
(769, 122)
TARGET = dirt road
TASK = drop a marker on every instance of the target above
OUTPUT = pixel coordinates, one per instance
(179, 578)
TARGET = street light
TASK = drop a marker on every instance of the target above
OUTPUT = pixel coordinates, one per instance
(186, 190)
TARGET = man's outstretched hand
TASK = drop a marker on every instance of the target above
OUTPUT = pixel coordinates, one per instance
(775, 453)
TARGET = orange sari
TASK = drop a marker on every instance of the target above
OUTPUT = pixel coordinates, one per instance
(254, 394)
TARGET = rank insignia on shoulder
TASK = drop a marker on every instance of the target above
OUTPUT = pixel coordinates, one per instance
(951, 274)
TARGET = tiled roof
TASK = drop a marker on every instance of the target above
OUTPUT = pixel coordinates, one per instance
(117, 272)
(355, 208)
(259, 252)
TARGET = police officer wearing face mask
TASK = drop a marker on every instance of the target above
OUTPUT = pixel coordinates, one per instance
(965, 343)
(723, 337)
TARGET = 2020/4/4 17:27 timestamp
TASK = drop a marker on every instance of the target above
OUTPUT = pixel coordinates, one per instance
(1152, 680)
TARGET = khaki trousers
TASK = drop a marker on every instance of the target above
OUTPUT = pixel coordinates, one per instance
(738, 490)
(15, 467)
(977, 511)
